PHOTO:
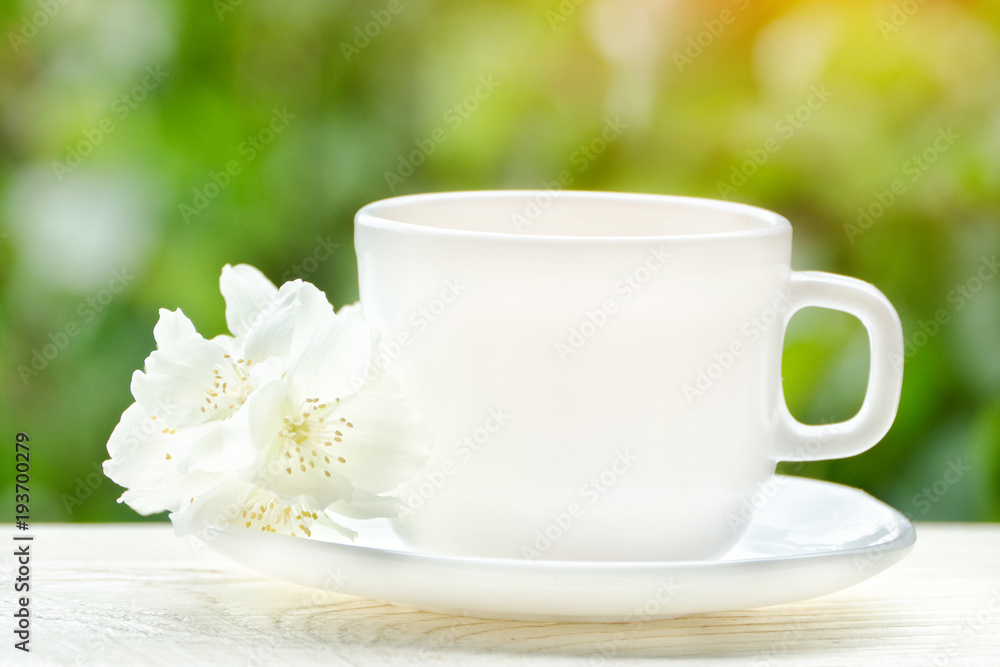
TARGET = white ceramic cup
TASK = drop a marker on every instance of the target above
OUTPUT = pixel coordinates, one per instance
(602, 372)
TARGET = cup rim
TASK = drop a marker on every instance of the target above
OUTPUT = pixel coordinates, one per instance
(373, 216)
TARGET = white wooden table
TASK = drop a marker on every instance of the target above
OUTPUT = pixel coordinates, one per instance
(135, 595)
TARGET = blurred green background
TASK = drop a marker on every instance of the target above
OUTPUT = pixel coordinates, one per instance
(145, 143)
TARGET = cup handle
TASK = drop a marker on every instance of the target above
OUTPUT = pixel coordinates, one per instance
(801, 442)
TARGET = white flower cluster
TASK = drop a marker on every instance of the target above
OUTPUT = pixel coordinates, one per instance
(272, 428)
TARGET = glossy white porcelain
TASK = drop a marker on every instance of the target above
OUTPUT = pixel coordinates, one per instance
(808, 538)
(593, 364)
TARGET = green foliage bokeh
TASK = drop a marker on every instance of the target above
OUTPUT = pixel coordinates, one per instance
(874, 127)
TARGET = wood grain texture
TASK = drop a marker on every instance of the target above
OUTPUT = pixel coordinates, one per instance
(135, 595)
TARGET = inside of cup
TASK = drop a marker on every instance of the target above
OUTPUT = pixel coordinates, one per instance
(581, 214)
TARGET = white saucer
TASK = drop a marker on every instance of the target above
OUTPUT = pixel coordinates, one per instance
(811, 538)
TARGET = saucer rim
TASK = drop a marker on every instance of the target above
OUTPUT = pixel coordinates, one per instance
(585, 591)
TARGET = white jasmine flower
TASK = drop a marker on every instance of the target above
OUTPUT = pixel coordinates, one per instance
(272, 428)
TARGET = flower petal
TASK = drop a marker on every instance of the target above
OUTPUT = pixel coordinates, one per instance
(313, 309)
(334, 362)
(350, 309)
(248, 435)
(150, 465)
(384, 443)
(287, 466)
(377, 375)
(178, 379)
(173, 327)
(366, 505)
(265, 410)
(296, 313)
(271, 428)
(217, 506)
(238, 503)
(216, 446)
(248, 294)
(267, 371)
(271, 333)
(293, 485)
